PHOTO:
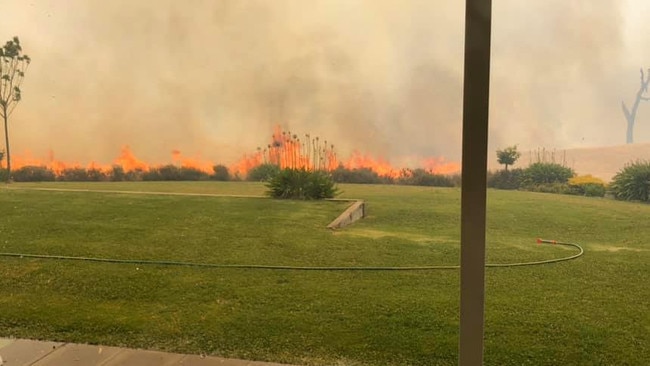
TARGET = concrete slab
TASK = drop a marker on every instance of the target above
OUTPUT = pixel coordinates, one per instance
(131, 357)
(353, 213)
(192, 360)
(24, 352)
(6, 342)
(78, 354)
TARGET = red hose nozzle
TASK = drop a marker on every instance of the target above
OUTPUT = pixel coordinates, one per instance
(540, 241)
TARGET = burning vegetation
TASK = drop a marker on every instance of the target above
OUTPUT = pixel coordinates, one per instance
(285, 150)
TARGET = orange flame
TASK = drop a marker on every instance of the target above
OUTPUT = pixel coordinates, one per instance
(289, 151)
(129, 162)
(285, 150)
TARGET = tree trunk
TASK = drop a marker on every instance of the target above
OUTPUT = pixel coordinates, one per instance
(4, 115)
(630, 132)
(630, 117)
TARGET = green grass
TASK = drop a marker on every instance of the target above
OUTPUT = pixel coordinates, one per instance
(590, 311)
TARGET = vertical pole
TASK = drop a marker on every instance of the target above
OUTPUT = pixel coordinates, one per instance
(476, 91)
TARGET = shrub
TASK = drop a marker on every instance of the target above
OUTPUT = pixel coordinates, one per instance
(172, 172)
(117, 174)
(632, 183)
(357, 175)
(301, 184)
(587, 185)
(456, 179)
(557, 188)
(421, 177)
(3, 175)
(96, 175)
(189, 173)
(33, 173)
(506, 179)
(220, 173)
(73, 175)
(545, 173)
(262, 173)
(134, 175)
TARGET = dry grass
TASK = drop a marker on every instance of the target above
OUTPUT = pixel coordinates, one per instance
(602, 162)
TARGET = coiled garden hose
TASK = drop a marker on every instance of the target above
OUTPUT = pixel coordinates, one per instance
(296, 268)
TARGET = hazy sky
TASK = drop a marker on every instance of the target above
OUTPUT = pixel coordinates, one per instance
(385, 77)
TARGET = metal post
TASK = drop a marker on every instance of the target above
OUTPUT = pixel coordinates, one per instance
(478, 25)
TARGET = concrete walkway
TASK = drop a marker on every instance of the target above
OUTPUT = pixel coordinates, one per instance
(23, 352)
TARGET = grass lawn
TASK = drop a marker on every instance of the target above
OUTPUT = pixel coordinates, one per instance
(589, 311)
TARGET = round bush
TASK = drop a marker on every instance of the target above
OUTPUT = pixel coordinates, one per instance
(262, 173)
(587, 185)
(301, 184)
(632, 183)
(506, 179)
(545, 173)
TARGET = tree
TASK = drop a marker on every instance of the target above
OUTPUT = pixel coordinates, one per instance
(630, 116)
(13, 64)
(508, 156)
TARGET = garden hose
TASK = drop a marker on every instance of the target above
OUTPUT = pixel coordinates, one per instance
(297, 268)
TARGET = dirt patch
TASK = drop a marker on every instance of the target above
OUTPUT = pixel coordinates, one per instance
(612, 248)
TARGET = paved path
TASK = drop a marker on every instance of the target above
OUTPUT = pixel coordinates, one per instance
(23, 352)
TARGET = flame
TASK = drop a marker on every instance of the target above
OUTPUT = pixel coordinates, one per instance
(129, 162)
(378, 165)
(285, 149)
(196, 162)
(290, 151)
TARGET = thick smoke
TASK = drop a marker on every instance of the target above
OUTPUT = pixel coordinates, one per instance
(384, 77)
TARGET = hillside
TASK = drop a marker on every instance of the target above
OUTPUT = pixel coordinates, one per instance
(602, 162)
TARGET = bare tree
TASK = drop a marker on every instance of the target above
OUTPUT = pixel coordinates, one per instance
(13, 64)
(630, 116)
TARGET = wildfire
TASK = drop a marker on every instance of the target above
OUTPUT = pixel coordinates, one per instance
(290, 151)
(285, 150)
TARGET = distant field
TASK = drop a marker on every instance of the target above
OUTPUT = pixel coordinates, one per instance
(590, 311)
(602, 162)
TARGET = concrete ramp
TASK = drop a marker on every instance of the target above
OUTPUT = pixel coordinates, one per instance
(353, 213)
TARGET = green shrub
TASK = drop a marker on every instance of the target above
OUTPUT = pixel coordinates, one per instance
(456, 179)
(421, 177)
(174, 173)
(301, 184)
(221, 173)
(358, 175)
(73, 175)
(3, 175)
(189, 173)
(506, 179)
(557, 188)
(117, 174)
(545, 173)
(587, 185)
(262, 173)
(632, 183)
(31, 173)
(594, 190)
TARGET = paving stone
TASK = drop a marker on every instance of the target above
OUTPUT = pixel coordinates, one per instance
(6, 342)
(131, 357)
(78, 354)
(23, 352)
(191, 360)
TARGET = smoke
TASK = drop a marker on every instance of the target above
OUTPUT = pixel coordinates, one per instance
(212, 78)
